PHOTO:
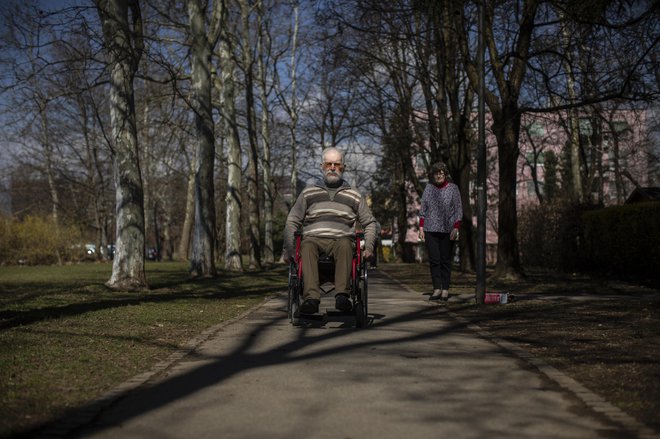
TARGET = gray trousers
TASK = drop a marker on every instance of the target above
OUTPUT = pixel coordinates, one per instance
(341, 249)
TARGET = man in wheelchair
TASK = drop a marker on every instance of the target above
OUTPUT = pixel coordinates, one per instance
(327, 213)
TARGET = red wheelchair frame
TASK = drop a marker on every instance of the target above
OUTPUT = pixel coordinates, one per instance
(358, 282)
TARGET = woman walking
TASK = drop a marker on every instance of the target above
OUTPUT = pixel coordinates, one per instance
(439, 222)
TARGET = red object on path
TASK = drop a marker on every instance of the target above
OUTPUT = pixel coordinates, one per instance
(496, 298)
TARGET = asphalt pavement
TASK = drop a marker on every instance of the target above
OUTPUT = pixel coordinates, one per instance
(415, 372)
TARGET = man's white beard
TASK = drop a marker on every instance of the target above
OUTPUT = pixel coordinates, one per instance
(332, 177)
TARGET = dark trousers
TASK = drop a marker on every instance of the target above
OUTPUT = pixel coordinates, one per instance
(439, 248)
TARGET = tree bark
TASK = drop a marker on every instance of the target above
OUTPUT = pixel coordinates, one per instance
(263, 45)
(253, 185)
(233, 197)
(204, 231)
(186, 229)
(506, 132)
(124, 46)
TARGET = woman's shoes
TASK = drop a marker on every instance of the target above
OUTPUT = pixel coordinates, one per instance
(440, 295)
(445, 295)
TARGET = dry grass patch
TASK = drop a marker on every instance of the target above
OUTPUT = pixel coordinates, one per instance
(602, 333)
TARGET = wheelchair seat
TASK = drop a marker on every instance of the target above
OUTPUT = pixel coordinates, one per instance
(326, 268)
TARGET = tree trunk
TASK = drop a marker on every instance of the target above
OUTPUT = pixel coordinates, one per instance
(503, 105)
(186, 230)
(124, 45)
(575, 188)
(253, 155)
(233, 261)
(203, 245)
(293, 109)
(50, 174)
(507, 133)
(262, 46)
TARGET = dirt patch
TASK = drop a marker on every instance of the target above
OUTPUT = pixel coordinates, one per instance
(606, 335)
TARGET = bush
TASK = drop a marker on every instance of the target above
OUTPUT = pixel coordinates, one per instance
(36, 240)
(622, 240)
(7, 239)
(388, 255)
(548, 235)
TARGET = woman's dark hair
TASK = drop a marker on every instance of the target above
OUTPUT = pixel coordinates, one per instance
(439, 166)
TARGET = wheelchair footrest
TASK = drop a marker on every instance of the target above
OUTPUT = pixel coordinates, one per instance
(336, 312)
(316, 316)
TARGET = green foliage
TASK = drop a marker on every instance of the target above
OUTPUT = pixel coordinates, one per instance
(36, 240)
(388, 255)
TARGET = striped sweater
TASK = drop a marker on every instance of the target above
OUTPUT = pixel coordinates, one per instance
(321, 214)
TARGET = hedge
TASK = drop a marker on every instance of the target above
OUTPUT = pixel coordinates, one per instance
(623, 241)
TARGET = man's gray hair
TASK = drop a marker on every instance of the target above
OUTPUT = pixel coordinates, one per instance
(332, 148)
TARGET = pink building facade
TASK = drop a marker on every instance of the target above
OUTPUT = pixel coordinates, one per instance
(620, 149)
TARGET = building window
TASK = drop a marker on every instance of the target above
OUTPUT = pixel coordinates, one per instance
(585, 127)
(536, 129)
(620, 126)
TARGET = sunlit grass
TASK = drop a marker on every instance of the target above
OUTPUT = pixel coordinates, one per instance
(65, 338)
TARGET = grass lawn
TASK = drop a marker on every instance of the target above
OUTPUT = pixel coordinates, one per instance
(66, 339)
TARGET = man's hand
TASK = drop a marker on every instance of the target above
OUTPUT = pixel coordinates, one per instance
(367, 254)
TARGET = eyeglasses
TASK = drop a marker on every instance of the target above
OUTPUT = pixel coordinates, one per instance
(439, 172)
(328, 165)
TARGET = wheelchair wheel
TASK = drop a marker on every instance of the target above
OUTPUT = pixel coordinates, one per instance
(293, 303)
(361, 309)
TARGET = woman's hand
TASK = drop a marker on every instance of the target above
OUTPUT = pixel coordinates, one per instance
(421, 233)
(453, 235)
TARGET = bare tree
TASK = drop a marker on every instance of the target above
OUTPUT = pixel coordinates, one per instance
(509, 73)
(288, 99)
(38, 95)
(253, 186)
(189, 209)
(170, 67)
(123, 44)
(204, 232)
(263, 53)
(233, 197)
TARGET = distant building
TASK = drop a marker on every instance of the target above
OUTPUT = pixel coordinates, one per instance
(614, 146)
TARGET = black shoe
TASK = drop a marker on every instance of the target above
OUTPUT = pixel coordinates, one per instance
(343, 303)
(310, 306)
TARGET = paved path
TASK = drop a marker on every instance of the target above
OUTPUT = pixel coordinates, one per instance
(414, 373)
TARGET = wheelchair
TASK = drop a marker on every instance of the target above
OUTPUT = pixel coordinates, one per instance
(358, 283)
